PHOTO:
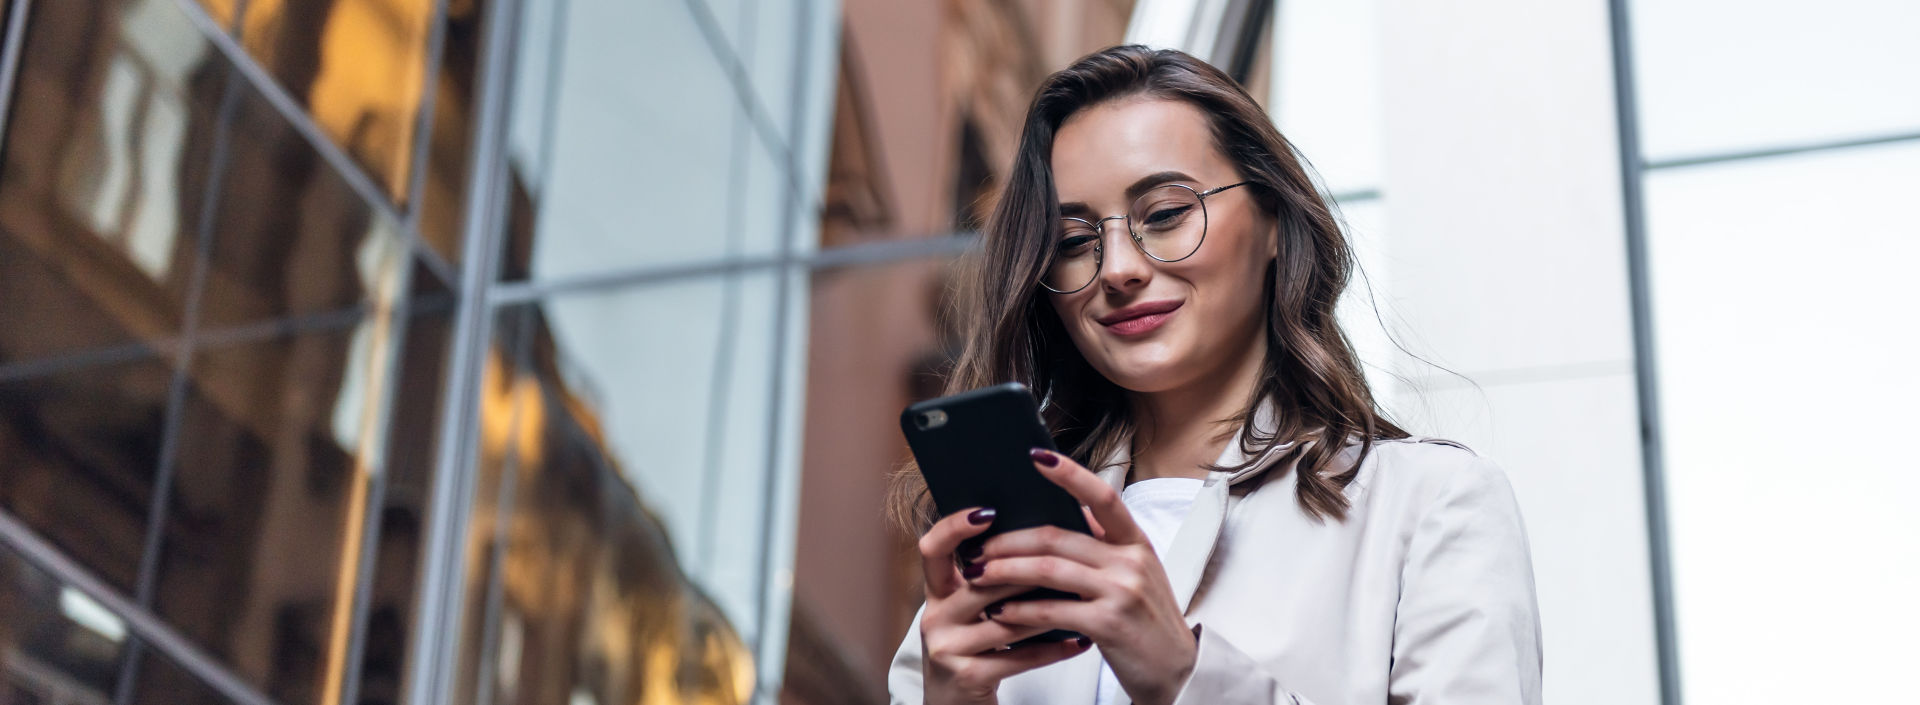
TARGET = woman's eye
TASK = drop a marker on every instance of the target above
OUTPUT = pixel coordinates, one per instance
(1076, 244)
(1166, 216)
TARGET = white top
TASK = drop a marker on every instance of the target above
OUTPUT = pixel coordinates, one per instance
(1422, 595)
(1158, 505)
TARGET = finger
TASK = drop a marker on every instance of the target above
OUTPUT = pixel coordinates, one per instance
(1098, 496)
(1040, 571)
(968, 602)
(1076, 615)
(1099, 532)
(1003, 664)
(1047, 541)
(984, 637)
(937, 545)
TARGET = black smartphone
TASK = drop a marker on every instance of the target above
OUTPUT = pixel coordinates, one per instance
(973, 451)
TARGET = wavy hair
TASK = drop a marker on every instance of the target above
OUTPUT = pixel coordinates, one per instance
(1310, 372)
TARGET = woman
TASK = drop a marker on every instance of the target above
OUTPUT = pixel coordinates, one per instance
(1162, 269)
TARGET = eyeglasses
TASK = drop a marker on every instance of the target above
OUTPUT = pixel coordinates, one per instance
(1167, 223)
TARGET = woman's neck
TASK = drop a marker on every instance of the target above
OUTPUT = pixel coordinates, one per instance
(1180, 432)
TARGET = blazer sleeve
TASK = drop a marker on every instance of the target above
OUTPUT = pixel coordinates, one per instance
(904, 683)
(1466, 630)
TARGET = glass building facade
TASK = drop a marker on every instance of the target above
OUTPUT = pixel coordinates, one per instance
(380, 351)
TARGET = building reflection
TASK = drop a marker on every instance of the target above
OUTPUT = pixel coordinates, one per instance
(221, 365)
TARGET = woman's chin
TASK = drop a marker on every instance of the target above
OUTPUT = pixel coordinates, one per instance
(1144, 377)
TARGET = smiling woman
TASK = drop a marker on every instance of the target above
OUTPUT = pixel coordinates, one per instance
(1162, 270)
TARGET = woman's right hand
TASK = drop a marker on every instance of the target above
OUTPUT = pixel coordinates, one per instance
(964, 654)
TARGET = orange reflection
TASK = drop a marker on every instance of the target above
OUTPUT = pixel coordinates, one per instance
(586, 583)
(361, 76)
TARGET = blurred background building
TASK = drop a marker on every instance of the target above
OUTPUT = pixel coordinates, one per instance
(550, 351)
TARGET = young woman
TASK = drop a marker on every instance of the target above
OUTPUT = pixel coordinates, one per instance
(1162, 270)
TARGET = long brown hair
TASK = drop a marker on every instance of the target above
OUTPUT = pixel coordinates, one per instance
(1310, 372)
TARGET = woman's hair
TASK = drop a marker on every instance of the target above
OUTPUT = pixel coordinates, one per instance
(1012, 333)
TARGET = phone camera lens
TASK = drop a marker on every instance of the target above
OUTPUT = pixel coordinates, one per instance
(931, 419)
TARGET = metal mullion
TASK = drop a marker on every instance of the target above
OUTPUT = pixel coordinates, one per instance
(863, 254)
(1652, 453)
(257, 78)
(400, 322)
(720, 387)
(10, 48)
(147, 628)
(423, 147)
(741, 78)
(771, 483)
(1781, 151)
(166, 465)
(435, 636)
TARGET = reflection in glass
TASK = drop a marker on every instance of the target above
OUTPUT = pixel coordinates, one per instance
(105, 169)
(401, 522)
(78, 450)
(290, 237)
(576, 591)
(628, 168)
(58, 646)
(357, 65)
(1782, 295)
(261, 540)
(450, 140)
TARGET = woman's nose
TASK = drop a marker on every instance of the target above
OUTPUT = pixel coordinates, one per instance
(1124, 267)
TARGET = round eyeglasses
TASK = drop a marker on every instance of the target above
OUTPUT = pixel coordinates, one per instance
(1167, 223)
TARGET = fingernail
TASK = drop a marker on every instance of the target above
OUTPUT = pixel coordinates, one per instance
(980, 516)
(1082, 642)
(993, 610)
(973, 570)
(1044, 457)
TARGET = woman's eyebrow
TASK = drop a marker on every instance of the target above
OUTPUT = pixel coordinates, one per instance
(1140, 186)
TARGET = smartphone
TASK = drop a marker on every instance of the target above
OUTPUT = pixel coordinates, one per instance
(973, 449)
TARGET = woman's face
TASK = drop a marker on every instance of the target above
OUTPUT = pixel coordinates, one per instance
(1152, 326)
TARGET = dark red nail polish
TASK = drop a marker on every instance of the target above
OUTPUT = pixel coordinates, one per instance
(980, 516)
(973, 570)
(1044, 457)
(993, 610)
(1082, 642)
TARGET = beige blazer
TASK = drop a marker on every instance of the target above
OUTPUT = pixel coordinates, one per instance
(1423, 595)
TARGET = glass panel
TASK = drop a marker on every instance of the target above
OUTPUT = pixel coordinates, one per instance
(628, 168)
(451, 139)
(358, 66)
(221, 11)
(105, 170)
(78, 450)
(60, 647)
(875, 344)
(290, 237)
(1782, 291)
(577, 592)
(1325, 95)
(1721, 75)
(261, 548)
(411, 454)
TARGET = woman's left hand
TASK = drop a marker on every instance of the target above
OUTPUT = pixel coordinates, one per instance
(1126, 606)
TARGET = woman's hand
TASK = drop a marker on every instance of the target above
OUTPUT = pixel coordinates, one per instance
(1126, 605)
(964, 654)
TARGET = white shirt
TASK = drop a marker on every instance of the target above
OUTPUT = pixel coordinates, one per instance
(1158, 506)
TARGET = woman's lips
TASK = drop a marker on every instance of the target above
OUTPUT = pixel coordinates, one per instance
(1140, 319)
